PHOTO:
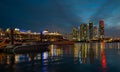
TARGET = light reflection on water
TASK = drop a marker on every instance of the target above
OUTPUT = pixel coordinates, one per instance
(92, 57)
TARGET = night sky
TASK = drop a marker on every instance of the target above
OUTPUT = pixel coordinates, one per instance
(59, 15)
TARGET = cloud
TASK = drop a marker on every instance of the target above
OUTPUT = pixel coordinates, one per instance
(58, 15)
(105, 11)
(112, 31)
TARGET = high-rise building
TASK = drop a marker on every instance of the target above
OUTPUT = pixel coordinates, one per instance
(83, 32)
(101, 28)
(91, 30)
(95, 32)
(78, 37)
(75, 33)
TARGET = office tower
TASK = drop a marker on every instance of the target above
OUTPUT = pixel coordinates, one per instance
(101, 28)
(83, 32)
(75, 33)
(91, 30)
(95, 32)
(78, 31)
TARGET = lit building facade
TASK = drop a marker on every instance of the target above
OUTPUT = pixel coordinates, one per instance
(101, 28)
(2, 34)
(52, 37)
(68, 36)
(91, 30)
(78, 37)
(83, 32)
(95, 32)
(75, 33)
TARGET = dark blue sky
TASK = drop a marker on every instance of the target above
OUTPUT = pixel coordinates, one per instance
(59, 15)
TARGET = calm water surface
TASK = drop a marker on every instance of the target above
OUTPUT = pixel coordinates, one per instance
(80, 57)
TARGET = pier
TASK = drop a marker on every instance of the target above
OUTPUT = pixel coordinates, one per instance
(25, 48)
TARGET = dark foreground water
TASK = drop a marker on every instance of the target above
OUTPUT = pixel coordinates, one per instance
(80, 57)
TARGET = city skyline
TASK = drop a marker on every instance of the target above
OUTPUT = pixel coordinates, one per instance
(60, 15)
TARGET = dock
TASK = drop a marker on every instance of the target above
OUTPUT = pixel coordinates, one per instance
(25, 48)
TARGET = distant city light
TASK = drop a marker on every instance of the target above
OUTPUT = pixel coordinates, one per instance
(45, 32)
(17, 29)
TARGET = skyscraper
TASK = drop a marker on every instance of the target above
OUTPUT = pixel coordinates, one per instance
(83, 32)
(91, 30)
(95, 32)
(75, 33)
(101, 28)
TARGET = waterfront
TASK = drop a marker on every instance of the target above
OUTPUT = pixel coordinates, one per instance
(80, 57)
